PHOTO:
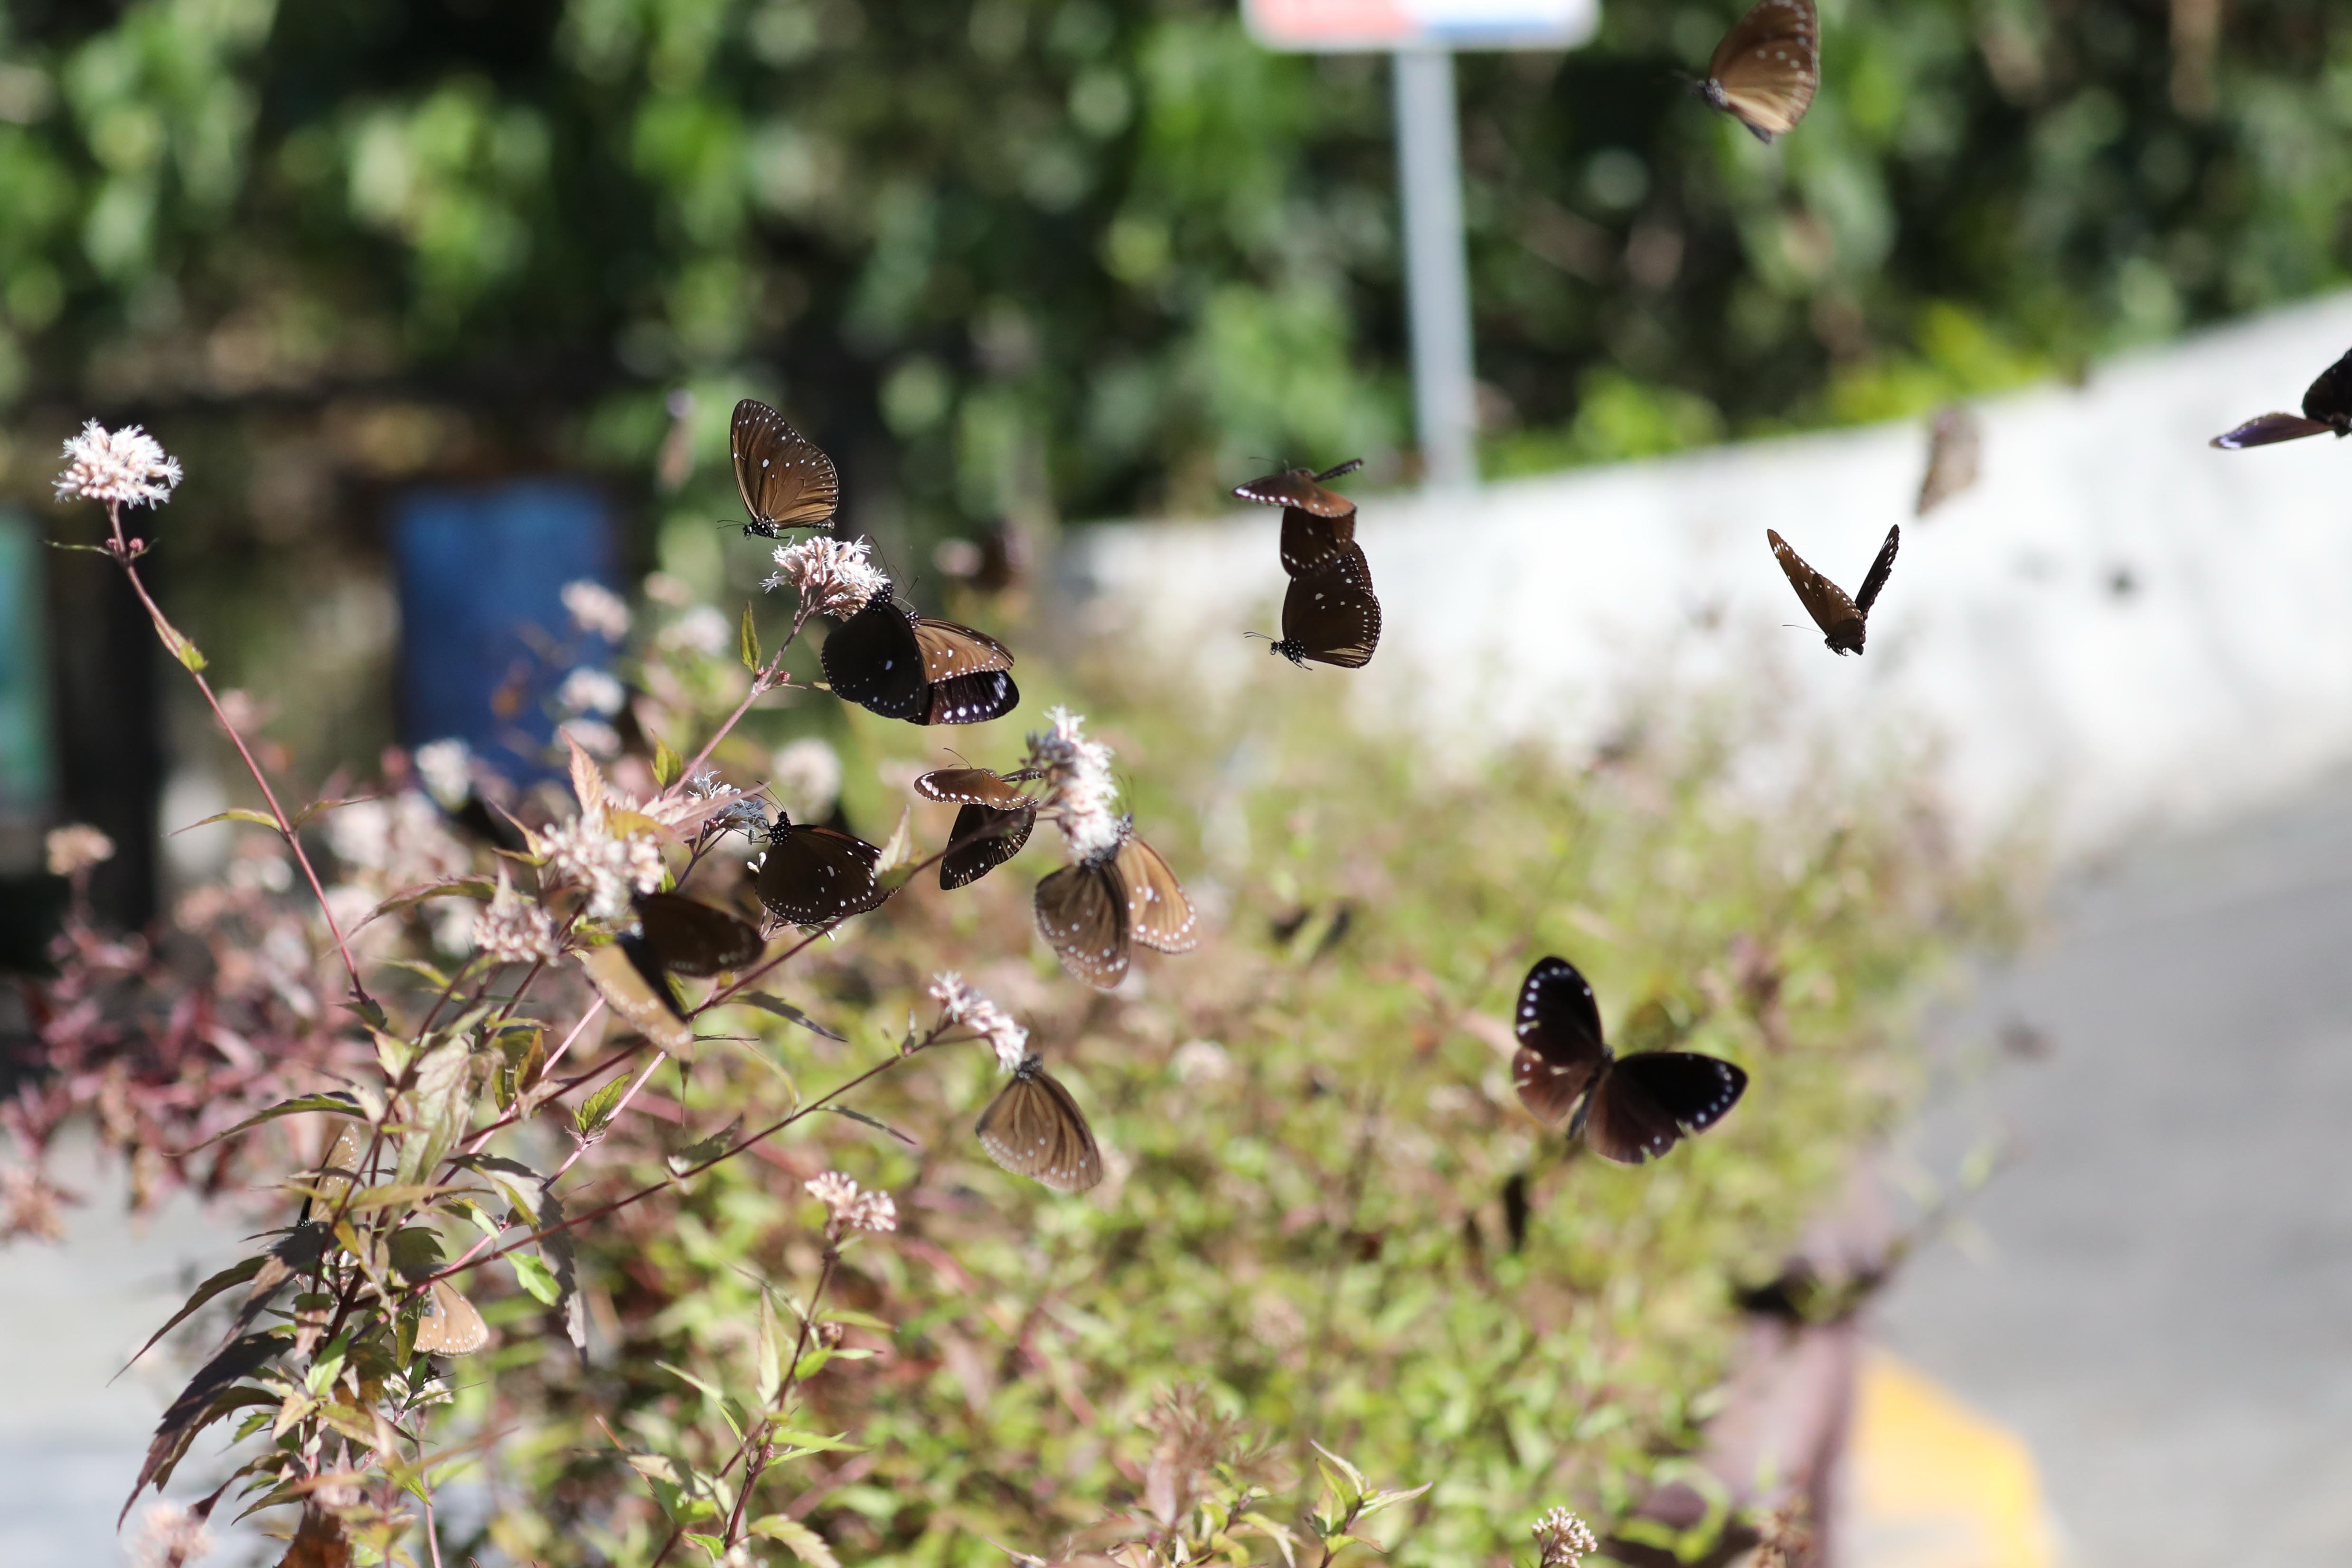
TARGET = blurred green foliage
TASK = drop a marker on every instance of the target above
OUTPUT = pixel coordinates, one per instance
(1066, 257)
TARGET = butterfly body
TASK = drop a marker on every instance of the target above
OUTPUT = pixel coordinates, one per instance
(786, 481)
(1844, 622)
(1629, 1109)
(812, 875)
(2326, 408)
(1765, 72)
(907, 666)
(1034, 1128)
(1330, 614)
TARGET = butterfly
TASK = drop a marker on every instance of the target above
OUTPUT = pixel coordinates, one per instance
(786, 479)
(2326, 406)
(1843, 620)
(626, 975)
(450, 1324)
(995, 822)
(909, 666)
(811, 876)
(685, 936)
(1330, 614)
(1955, 441)
(1629, 1108)
(1301, 489)
(1093, 912)
(1768, 68)
(1034, 1128)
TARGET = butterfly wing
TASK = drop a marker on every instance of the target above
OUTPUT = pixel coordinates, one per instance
(1825, 601)
(949, 650)
(1332, 616)
(633, 985)
(1034, 1128)
(1645, 1105)
(812, 875)
(984, 838)
(974, 787)
(969, 699)
(1310, 542)
(1158, 913)
(873, 660)
(690, 938)
(1880, 571)
(1768, 68)
(2266, 429)
(1298, 487)
(786, 479)
(1954, 443)
(1561, 1051)
(1082, 913)
(450, 1324)
(2329, 399)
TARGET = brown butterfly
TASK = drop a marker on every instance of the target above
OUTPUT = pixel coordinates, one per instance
(1628, 1108)
(1955, 442)
(995, 822)
(912, 667)
(2326, 406)
(1093, 912)
(1302, 489)
(1331, 615)
(1034, 1128)
(635, 987)
(1844, 621)
(687, 936)
(812, 875)
(786, 479)
(450, 1324)
(1768, 68)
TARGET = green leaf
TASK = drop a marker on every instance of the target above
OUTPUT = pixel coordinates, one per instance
(1345, 1481)
(871, 1122)
(811, 1364)
(668, 764)
(706, 1149)
(479, 888)
(748, 640)
(536, 1277)
(726, 1407)
(597, 1109)
(233, 814)
(785, 1009)
(1381, 1499)
(234, 1275)
(442, 1106)
(773, 1348)
(181, 648)
(337, 1100)
(94, 550)
(803, 1543)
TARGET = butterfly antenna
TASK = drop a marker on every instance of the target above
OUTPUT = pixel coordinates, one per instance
(1259, 635)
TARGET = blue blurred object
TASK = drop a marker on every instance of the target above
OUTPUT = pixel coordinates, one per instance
(27, 747)
(485, 638)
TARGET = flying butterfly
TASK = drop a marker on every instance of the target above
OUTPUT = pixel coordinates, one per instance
(1954, 443)
(1842, 621)
(1768, 68)
(450, 1324)
(1331, 615)
(2326, 406)
(811, 876)
(1093, 912)
(786, 479)
(1301, 489)
(1034, 1128)
(995, 822)
(631, 981)
(909, 666)
(1628, 1108)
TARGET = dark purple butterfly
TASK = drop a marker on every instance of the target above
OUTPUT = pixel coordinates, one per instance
(2326, 406)
(1630, 1108)
(1331, 615)
(903, 666)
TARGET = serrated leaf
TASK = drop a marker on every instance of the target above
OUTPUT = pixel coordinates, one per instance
(803, 1543)
(536, 1277)
(233, 814)
(198, 1406)
(668, 764)
(785, 1010)
(587, 779)
(338, 1101)
(748, 640)
(441, 1106)
(703, 1150)
(597, 1110)
(1337, 1469)
(479, 888)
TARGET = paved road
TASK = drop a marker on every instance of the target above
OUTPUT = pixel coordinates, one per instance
(2164, 1309)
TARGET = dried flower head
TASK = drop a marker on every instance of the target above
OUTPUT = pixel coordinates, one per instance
(832, 577)
(447, 767)
(1563, 1538)
(596, 609)
(1784, 1537)
(171, 1536)
(77, 847)
(850, 1208)
(514, 930)
(588, 690)
(959, 1004)
(31, 1206)
(584, 853)
(806, 776)
(127, 467)
(1079, 790)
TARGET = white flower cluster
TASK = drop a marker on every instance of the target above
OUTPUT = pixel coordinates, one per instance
(75, 847)
(701, 630)
(514, 930)
(172, 1536)
(447, 769)
(852, 1209)
(1079, 788)
(395, 843)
(124, 468)
(959, 1003)
(832, 577)
(596, 608)
(806, 776)
(584, 853)
(1563, 1538)
(590, 690)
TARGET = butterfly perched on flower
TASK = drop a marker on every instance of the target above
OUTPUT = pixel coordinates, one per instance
(1628, 1108)
(1843, 621)
(996, 820)
(1034, 1128)
(2326, 406)
(814, 876)
(899, 665)
(786, 479)
(1093, 912)
(1765, 72)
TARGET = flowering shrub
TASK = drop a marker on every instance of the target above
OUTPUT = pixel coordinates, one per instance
(733, 1282)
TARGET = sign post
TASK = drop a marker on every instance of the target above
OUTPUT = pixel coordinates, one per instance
(1421, 36)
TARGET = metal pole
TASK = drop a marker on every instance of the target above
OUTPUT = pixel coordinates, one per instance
(1437, 274)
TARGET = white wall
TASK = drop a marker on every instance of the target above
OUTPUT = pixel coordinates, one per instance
(1560, 605)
